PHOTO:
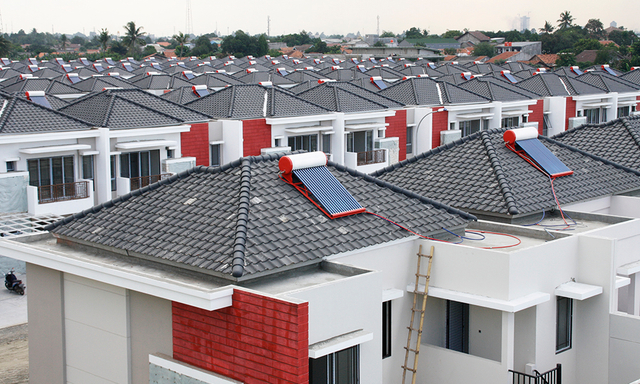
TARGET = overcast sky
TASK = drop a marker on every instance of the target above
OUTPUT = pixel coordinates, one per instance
(162, 18)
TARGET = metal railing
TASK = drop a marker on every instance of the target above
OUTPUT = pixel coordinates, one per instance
(143, 181)
(553, 376)
(371, 157)
(63, 192)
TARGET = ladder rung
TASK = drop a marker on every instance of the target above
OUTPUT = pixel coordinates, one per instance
(412, 350)
(408, 369)
(421, 275)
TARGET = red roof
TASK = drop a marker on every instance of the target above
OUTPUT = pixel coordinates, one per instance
(502, 56)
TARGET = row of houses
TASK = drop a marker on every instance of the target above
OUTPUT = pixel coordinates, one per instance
(193, 245)
(106, 134)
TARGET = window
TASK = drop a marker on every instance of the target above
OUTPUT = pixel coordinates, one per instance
(51, 171)
(170, 153)
(326, 144)
(592, 115)
(87, 169)
(360, 141)
(112, 161)
(469, 127)
(564, 317)
(277, 142)
(215, 155)
(452, 126)
(386, 329)
(409, 140)
(307, 142)
(139, 164)
(623, 111)
(546, 125)
(509, 122)
(457, 326)
(11, 166)
(342, 367)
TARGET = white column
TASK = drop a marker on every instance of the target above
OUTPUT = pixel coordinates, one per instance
(634, 295)
(338, 146)
(496, 120)
(423, 130)
(508, 339)
(103, 166)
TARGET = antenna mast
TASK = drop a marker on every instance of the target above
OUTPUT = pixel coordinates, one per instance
(378, 29)
(268, 26)
(189, 27)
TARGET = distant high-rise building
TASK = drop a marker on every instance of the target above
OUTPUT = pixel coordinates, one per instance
(524, 23)
(613, 24)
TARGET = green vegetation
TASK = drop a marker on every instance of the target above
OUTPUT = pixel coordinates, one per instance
(240, 44)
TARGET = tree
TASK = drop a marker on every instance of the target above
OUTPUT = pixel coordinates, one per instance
(5, 47)
(379, 43)
(451, 34)
(566, 59)
(63, 40)
(607, 55)
(203, 47)
(103, 38)
(132, 37)
(548, 28)
(148, 50)
(77, 40)
(622, 37)
(586, 44)
(566, 20)
(240, 44)
(595, 28)
(483, 49)
(181, 39)
(118, 48)
(387, 34)
(263, 45)
(450, 51)
(415, 33)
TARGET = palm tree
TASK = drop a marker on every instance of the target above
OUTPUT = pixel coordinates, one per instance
(548, 28)
(63, 42)
(132, 36)
(181, 39)
(103, 39)
(565, 20)
(5, 46)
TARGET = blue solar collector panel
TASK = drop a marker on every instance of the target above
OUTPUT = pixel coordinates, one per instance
(544, 158)
(331, 195)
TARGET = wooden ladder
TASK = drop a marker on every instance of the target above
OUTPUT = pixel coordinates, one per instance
(409, 349)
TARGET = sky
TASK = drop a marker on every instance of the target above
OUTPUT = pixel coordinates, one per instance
(161, 18)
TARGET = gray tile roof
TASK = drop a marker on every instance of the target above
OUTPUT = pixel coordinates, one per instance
(50, 87)
(20, 116)
(248, 102)
(632, 76)
(181, 95)
(426, 91)
(216, 80)
(98, 83)
(130, 108)
(479, 174)
(339, 100)
(608, 83)
(496, 90)
(242, 219)
(617, 141)
(551, 84)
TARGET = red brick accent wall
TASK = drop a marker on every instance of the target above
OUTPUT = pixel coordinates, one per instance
(571, 111)
(537, 115)
(398, 128)
(638, 98)
(439, 123)
(256, 135)
(257, 340)
(195, 143)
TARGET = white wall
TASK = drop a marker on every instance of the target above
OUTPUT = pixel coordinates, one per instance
(356, 302)
(624, 349)
(96, 332)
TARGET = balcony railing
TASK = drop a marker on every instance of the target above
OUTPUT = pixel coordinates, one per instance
(553, 376)
(63, 192)
(371, 157)
(143, 181)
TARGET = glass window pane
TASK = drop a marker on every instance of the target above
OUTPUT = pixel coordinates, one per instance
(318, 371)
(56, 166)
(215, 154)
(144, 163)
(313, 143)
(124, 165)
(69, 176)
(87, 167)
(34, 175)
(326, 144)
(155, 162)
(113, 172)
(346, 366)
